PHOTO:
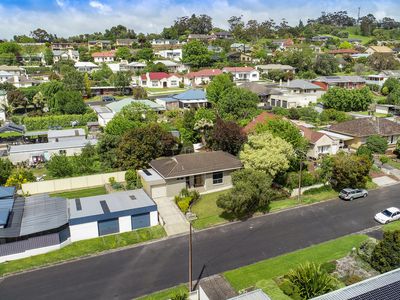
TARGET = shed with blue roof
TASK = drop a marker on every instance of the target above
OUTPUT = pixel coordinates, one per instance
(193, 98)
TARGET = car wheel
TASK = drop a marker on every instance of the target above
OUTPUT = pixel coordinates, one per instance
(387, 222)
(365, 195)
(351, 199)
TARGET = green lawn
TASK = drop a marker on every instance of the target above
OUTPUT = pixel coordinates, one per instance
(166, 294)
(365, 113)
(394, 164)
(257, 274)
(166, 90)
(392, 226)
(83, 248)
(101, 190)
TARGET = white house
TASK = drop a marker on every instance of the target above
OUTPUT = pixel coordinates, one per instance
(86, 66)
(174, 54)
(319, 143)
(4, 76)
(159, 42)
(172, 66)
(201, 77)
(22, 81)
(103, 57)
(136, 66)
(159, 80)
(13, 70)
(65, 55)
(264, 69)
(243, 73)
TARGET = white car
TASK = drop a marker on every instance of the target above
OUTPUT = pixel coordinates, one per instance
(388, 215)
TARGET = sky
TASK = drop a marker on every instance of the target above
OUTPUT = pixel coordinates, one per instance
(71, 17)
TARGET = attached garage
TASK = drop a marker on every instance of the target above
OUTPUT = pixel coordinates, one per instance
(108, 226)
(140, 221)
(158, 191)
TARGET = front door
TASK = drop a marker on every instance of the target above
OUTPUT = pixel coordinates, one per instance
(198, 181)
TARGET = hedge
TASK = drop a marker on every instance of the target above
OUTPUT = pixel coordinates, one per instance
(43, 123)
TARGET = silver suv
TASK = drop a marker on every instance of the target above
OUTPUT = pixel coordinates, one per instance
(350, 194)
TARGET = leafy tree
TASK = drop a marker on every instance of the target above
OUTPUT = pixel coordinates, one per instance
(120, 80)
(60, 166)
(139, 93)
(311, 281)
(145, 54)
(102, 75)
(17, 99)
(140, 145)
(326, 64)
(285, 130)
(196, 54)
(345, 45)
(86, 83)
(218, 86)
(85, 163)
(68, 102)
(386, 255)
(237, 104)
(39, 101)
(20, 176)
(348, 100)
(73, 80)
(6, 168)
(132, 180)
(41, 36)
(227, 136)
(377, 144)
(390, 85)
(368, 24)
(49, 90)
(251, 192)
(123, 53)
(366, 151)
(107, 150)
(6, 86)
(267, 153)
(346, 170)
(382, 61)
(48, 56)
(186, 127)
(131, 116)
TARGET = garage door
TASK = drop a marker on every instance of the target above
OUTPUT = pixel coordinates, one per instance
(158, 191)
(108, 226)
(140, 221)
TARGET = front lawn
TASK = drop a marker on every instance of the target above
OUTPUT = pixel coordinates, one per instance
(101, 190)
(164, 90)
(83, 248)
(166, 294)
(394, 163)
(258, 274)
(392, 226)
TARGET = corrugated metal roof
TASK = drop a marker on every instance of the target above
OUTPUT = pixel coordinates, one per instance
(385, 286)
(66, 133)
(116, 202)
(253, 295)
(7, 191)
(51, 146)
(14, 223)
(117, 106)
(42, 213)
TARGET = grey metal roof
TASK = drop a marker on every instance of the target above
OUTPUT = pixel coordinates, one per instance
(66, 133)
(14, 220)
(42, 213)
(253, 295)
(51, 146)
(36, 133)
(385, 286)
(116, 202)
(12, 127)
(301, 84)
(7, 191)
(340, 79)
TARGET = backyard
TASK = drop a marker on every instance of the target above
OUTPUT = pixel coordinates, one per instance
(101, 190)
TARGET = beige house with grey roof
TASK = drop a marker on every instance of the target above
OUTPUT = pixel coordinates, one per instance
(201, 171)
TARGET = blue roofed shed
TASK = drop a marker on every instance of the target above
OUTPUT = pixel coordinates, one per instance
(193, 98)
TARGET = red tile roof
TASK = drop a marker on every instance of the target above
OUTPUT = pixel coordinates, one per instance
(157, 75)
(310, 135)
(204, 73)
(238, 69)
(104, 54)
(260, 119)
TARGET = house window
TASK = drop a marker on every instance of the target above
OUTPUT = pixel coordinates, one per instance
(154, 83)
(63, 152)
(198, 181)
(174, 82)
(144, 82)
(218, 177)
(254, 75)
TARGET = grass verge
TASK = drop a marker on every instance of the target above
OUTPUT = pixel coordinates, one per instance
(101, 190)
(83, 248)
(394, 164)
(392, 226)
(255, 274)
(166, 294)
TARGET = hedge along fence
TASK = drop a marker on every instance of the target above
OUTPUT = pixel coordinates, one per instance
(43, 123)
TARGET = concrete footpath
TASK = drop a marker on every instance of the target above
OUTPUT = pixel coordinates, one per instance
(174, 220)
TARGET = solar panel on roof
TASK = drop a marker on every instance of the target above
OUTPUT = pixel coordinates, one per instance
(147, 172)
(104, 206)
(133, 197)
(387, 292)
(78, 204)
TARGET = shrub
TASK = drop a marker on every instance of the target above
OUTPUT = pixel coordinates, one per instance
(180, 296)
(377, 144)
(311, 281)
(329, 266)
(384, 159)
(307, 179)
(280, 111)
(314, 191)
(366, 248)
(289, 289)
(386, 255)
(132, 180)
(184, 203)
(364, 150)
(186, 198)
(111, 180)
(351, 279)
(43, 123)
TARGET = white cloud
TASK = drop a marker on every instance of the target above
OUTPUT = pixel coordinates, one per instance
(102, 8)
(152, 15)
(60, 3)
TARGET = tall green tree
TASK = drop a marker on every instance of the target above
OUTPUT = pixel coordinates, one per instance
(348, 100)
(6, 168)
(227, 136)
(386, 255)
(196, 54)
(218, 86)
(60, 166)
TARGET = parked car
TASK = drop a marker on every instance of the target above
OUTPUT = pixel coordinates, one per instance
(57, 127)
(350, 194)
(107, 98)
(388, 215)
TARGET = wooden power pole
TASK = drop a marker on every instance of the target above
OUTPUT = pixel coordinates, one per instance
(190, 258)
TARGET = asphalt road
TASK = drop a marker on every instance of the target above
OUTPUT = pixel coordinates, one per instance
(137, 271)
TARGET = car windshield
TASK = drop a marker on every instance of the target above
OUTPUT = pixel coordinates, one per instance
(345, 192)
(387, 213)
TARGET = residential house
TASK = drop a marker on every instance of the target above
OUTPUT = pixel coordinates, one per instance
(4, 76)
(69, 54)
(283, 44)
(102, 44)
(319, 143)
(383, 286)
(201, 171)
(347, 82)
(95, 216)
(66, 135)
(263, 90)
(174, 54)
(240, 57)
(240, 47)
(172, 66)
(264, 69)
(215, 49)
(201, 77)
(33, 59)
(164, 42)
(23, 81)
(62, 46)
(343, 51)
(361, 129)
(125, 42)
(223, 35)
(86, 66)
(193, 98)
(106, 113)
(13, 70)
(26, 230)
(356, 42)
(379, 79)
(136, 66)
(201, 37)
(379, 49)
(243, 73)
(260, 119)
(320, 38)
(159, 80)
(104, 57)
